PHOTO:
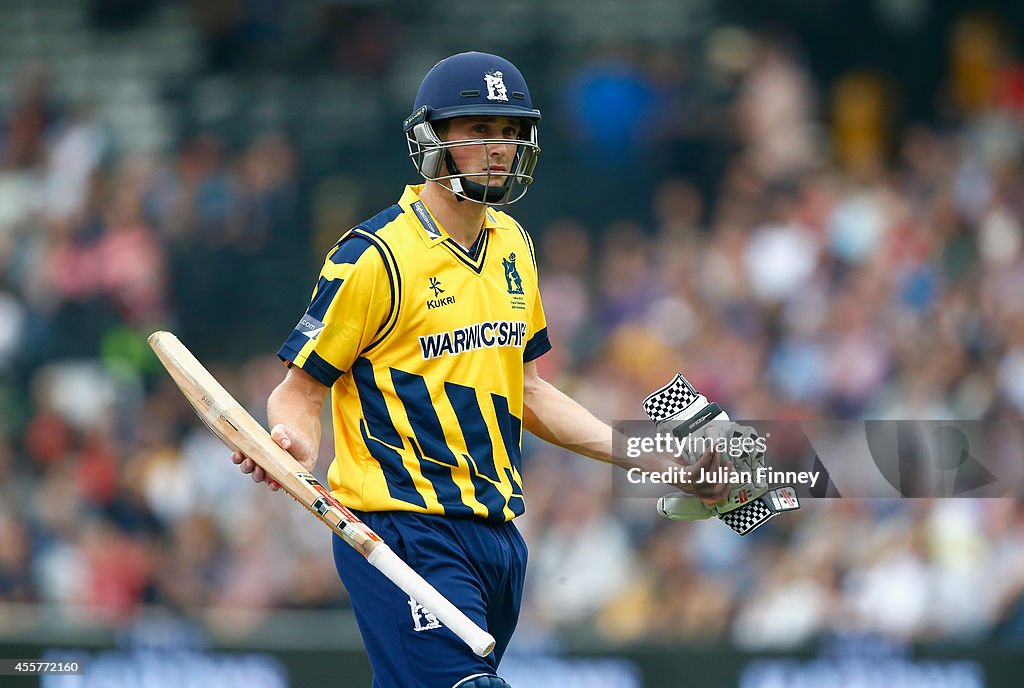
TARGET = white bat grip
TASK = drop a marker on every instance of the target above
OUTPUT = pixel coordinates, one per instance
(411, 583)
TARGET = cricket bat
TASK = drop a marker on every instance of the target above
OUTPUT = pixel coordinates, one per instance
(241, 432)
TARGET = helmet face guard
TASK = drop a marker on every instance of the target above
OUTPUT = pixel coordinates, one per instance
(471, 84)
(432, 158)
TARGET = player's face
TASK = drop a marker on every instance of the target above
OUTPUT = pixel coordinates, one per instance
(494, 159)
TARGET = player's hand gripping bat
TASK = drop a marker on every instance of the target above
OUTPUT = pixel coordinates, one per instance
(241, 432)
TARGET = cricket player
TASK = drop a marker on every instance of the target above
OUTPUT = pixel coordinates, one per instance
(425, 325)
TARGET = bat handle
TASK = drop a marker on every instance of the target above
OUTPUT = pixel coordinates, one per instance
(389, 563)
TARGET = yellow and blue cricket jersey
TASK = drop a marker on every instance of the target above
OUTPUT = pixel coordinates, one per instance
(423, 344)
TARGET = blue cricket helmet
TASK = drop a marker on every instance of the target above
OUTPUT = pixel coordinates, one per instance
(473, 84)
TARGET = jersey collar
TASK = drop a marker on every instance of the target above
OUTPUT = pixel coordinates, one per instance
(431, 230)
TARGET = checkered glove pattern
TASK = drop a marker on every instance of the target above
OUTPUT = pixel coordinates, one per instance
(670, 400)
(679, 408)
(747, 519)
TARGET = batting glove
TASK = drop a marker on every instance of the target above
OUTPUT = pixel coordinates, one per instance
(678, 408)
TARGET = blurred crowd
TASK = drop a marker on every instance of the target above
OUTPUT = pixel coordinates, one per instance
(837, 269)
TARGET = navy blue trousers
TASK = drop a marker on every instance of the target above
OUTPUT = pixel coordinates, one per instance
(479, 567)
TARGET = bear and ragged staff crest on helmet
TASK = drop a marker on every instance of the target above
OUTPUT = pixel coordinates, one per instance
(496, 89)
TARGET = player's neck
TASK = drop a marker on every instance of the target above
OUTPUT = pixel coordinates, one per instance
(461, 219)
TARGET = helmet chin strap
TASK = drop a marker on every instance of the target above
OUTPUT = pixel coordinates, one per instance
(481, 193)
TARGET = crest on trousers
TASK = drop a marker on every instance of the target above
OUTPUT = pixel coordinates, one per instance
(496, 86)
(512, 278)
(422, 620)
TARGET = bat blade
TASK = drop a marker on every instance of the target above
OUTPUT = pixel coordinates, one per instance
(225, 417)
(229, 420)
